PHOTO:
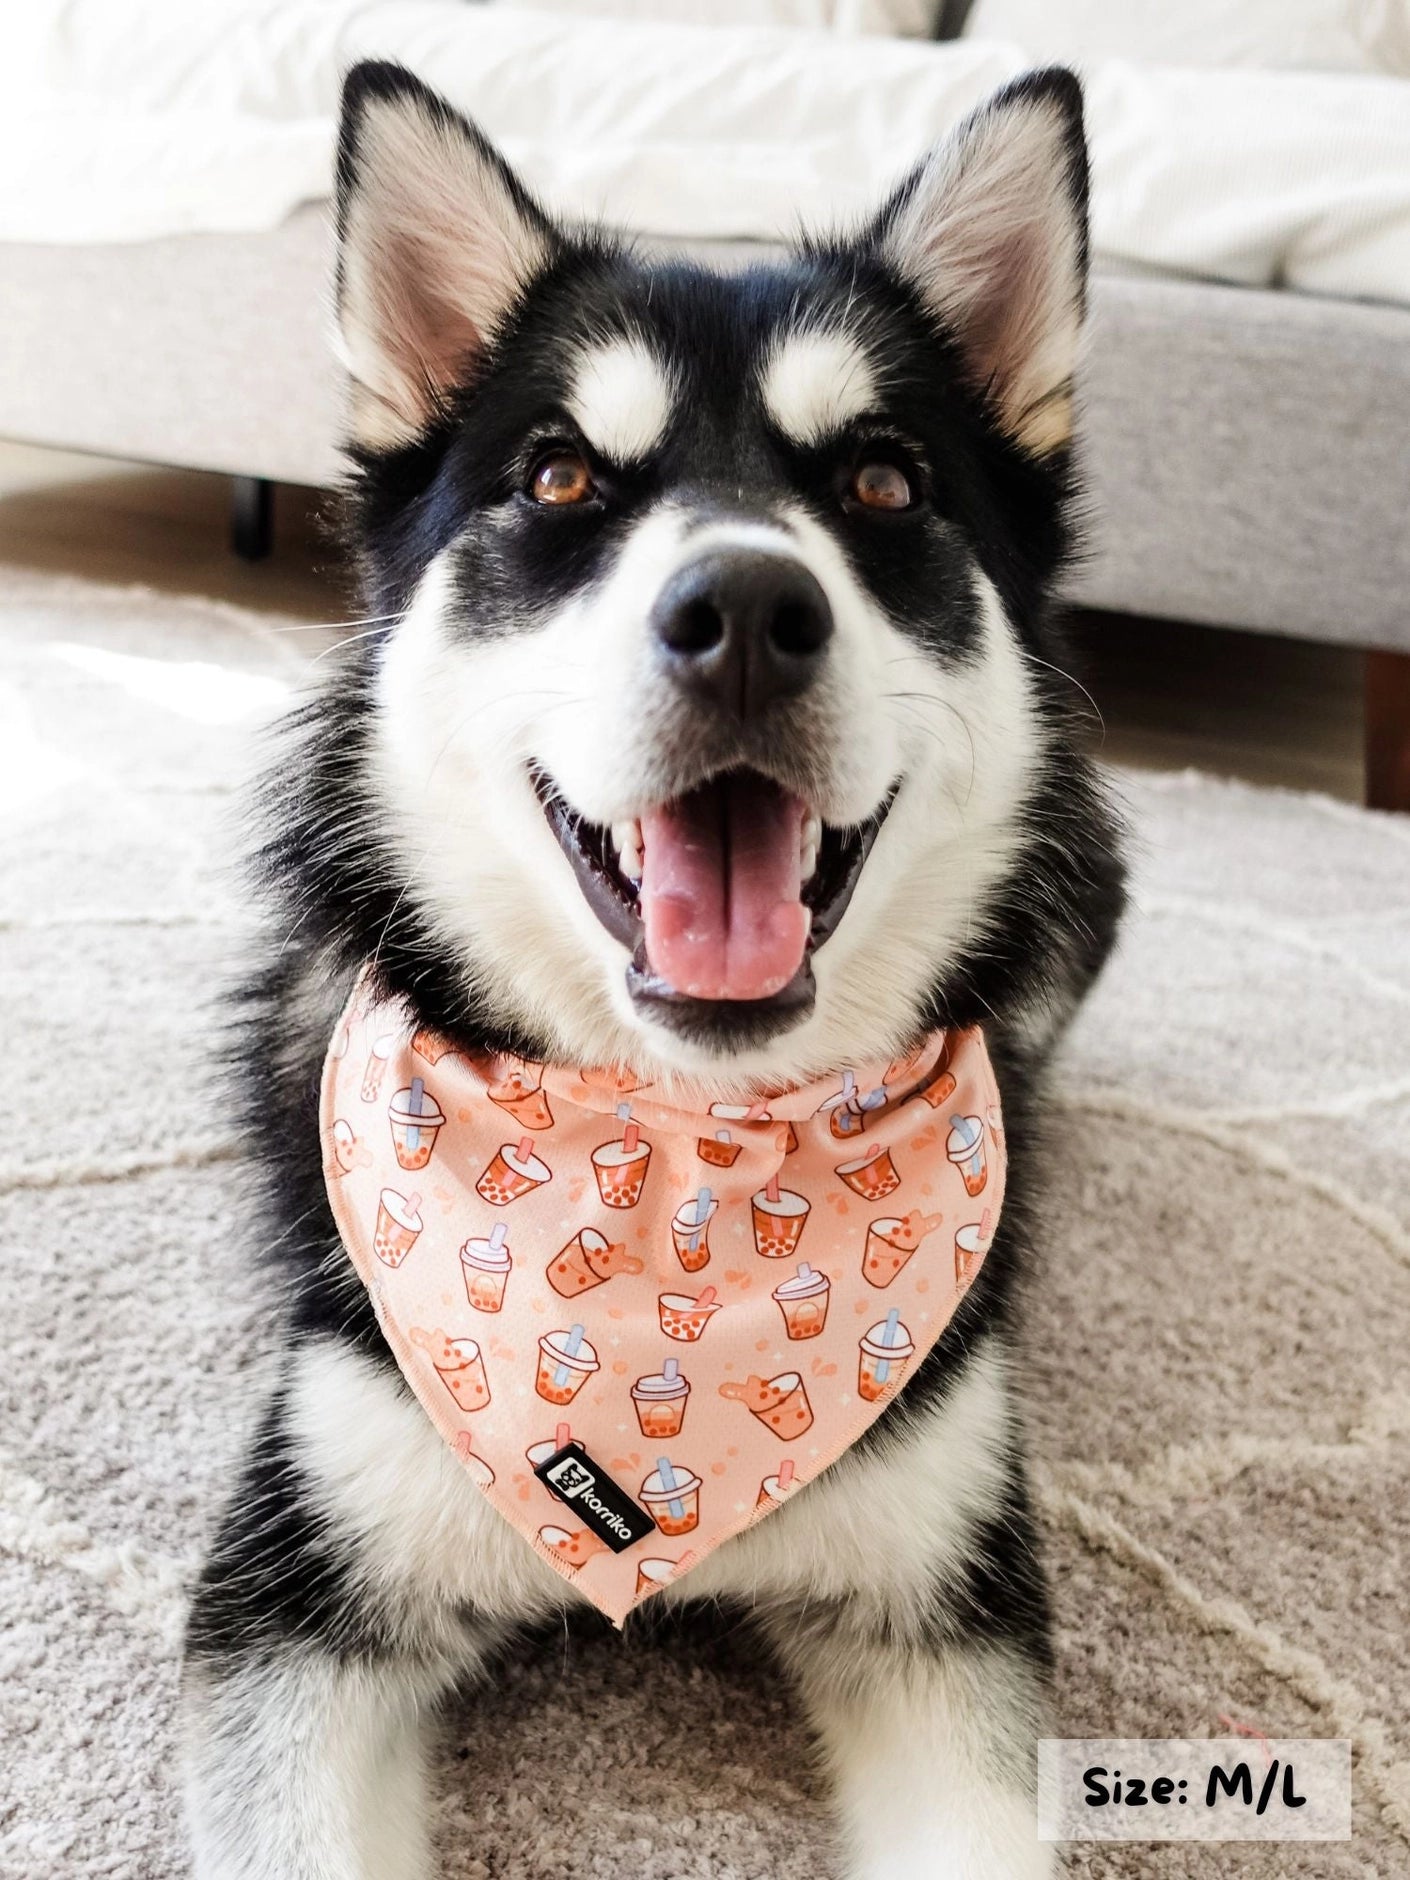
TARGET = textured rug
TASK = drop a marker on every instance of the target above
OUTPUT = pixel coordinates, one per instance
(1220, 1340)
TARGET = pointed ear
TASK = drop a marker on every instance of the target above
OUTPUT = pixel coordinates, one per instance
(991, 231)
(437, 239)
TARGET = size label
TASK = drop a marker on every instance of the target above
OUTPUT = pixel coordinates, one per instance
(585, 1487)
(1235, 1788)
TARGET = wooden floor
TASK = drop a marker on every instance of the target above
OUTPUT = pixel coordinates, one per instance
(1270, 710)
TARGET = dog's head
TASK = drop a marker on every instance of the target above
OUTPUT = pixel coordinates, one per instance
(706, 724)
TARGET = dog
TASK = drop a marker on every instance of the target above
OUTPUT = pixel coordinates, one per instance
(651, 550)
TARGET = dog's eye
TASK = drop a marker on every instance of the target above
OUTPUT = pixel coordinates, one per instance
(877, 484)
(561, 477)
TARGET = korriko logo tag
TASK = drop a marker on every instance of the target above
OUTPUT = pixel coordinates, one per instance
(572, 1475)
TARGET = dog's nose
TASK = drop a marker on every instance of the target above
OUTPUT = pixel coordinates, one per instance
(742, 628)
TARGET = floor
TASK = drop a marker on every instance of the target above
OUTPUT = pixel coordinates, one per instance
(1171, 696)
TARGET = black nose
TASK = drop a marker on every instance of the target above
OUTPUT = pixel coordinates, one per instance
(741, 628)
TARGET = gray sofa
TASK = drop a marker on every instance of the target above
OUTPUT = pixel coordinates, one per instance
(1247, 451)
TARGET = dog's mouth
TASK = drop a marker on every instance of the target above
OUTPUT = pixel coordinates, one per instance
(721, 895)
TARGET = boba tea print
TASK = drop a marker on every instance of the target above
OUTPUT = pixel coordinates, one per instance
(709, 1302)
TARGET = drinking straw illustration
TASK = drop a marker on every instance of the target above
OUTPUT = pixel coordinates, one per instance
(498, 1234)
(702, 1209)
(889, 1337)
(668, 1482)
(671, 1370)
(874, 1099)
(562, 1434)
(756, 1113)
(849, 1084)
(785, 1472)
(413, 1204)
(525, 1150)
(966, 1129)
(570, 1350)
(413, 1134)
(771, 1187)
(707, 1298)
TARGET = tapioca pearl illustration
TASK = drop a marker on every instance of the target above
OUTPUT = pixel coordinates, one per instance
(872, 1175)
(398, 1226)
(685, 1318)
(671, 1496)
(620, 1168)
(588, 1260)
(886, 1350)
(774, 1490)
(566, 1361)
(512, 1171)
(779, 1216)
(653, 1574)
(485, 1265)
(431, 1045)
(573, 1547)
(971, 1245)
(520, 1091)
(803, 1301)
(416, 1119)
(891, 1242)
(965, 1147)
(376, 1068)
(459, 1364)
(690, 1230)
(660, 1401)
(780, 1403)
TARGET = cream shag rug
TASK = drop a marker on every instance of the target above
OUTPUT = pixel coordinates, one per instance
(1220, 1341)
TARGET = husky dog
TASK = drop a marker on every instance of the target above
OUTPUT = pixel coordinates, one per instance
(709, 723)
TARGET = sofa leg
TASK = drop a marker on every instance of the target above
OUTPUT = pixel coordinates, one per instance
(251, 517)
(1388, 730)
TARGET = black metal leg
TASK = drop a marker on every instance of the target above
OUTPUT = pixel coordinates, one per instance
(251, 517)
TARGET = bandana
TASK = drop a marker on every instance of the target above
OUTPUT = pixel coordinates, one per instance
(643, 1326)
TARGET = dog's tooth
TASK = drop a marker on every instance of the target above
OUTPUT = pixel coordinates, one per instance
(809, 841)
(626, 839)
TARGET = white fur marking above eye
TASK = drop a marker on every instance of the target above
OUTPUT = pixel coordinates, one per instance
(621, 400)
(815, 383)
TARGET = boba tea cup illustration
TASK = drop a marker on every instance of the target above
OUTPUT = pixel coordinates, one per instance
(780, 1216)
(347, 1150)
(652, 1575)
(382, 1049)
(719, 1148)
(774, 1490)
(685, 1318)
(891, 1242)
(398, 1225)
(539, 1453)
(940, 1088)
(459, 1365)
(780, 1403)
(803, 1302)
(479, 1471)
(900, 1068)
(620, 1167)
(512, 1171)
(520, 1091)
(872, 1174)
(416, 1119)
(588, 1260)
(485, 1266)
(671, 1496)
(431, 1045)
(660, 1401)
(848, 1112)
(566, 1361)
(574, 1547)
(965, 1148)
(690, 1230)
(971, 1245)
(886, 1350)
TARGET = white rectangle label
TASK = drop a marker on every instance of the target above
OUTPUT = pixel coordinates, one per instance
(1194, 1789)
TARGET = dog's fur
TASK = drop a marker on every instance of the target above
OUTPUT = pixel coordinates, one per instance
(358, 1573)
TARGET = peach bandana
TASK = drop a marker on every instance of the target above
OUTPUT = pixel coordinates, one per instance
(640, 1326)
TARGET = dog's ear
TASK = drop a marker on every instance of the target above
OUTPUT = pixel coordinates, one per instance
(437, 239)
(991, 231)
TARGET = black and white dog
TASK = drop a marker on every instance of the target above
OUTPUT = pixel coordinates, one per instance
(646, 543)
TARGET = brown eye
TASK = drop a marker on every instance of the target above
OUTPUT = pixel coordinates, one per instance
(881, 485)
(561, 477)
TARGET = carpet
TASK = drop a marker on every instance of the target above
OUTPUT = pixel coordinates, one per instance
(1220, 1338)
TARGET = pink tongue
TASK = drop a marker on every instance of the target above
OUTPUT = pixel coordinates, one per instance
(720, 889)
